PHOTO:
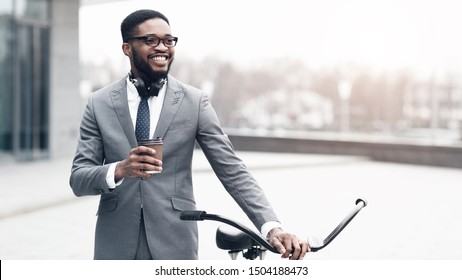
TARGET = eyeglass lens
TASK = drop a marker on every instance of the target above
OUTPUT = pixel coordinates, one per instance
(155, 41)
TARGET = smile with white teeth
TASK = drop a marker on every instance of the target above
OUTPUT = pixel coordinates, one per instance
(159, 58)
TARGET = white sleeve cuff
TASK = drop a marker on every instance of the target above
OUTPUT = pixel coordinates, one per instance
(110, 177)
(268, 226)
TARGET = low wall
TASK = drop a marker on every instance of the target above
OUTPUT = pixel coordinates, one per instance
(444, 156)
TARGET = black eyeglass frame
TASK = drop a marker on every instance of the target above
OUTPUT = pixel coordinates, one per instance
(147, 36)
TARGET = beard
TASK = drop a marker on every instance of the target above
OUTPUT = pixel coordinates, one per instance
(146, 70)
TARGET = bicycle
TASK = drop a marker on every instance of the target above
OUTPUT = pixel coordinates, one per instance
(252, 244)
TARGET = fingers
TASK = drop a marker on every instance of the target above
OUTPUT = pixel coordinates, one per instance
(149, 165)
(143, 150)
(289, 246)
(300, 249)
(305, 249)
(141, 162)
(141, 174)
(285, 245)
(278, 245)
(296, 250)
(276, 236)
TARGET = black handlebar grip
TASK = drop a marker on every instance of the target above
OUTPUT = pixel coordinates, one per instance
(192, 215)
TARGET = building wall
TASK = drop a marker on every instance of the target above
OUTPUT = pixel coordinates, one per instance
(65, 101)
(40, 104)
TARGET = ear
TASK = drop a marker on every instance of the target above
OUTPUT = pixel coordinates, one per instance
(127, 49)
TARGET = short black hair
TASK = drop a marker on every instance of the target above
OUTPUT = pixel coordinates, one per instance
(131, 22)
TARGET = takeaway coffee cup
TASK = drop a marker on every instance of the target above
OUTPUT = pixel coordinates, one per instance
(155, 144)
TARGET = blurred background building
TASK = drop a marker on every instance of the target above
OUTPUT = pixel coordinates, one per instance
(39, 78)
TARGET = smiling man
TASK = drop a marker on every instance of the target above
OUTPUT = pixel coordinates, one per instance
(141, 196)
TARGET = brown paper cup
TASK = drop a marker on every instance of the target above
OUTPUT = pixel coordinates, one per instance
(155, 144)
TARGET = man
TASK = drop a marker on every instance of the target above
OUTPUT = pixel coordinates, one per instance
(138, 214)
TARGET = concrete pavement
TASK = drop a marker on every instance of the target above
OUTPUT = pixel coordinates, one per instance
(414, 212)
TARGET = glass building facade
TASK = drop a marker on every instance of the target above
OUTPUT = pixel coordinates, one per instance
(24, 78)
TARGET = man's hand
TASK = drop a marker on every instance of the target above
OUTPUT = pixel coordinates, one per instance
(139, 159)
(288, 244)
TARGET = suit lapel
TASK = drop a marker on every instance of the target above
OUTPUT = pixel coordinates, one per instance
(120, 103)
(173, 98)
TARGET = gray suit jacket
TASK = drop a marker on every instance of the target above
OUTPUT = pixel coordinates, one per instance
(107, 135)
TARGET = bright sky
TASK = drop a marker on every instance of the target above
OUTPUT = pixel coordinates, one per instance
(382, 34)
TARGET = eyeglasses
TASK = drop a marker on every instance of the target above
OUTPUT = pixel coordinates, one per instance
(153, 41)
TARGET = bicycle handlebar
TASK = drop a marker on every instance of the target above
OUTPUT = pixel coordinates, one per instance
(197, 215)
(202, 215)
(360, 204)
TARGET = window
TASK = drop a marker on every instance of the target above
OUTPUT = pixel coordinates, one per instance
(24, 78)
